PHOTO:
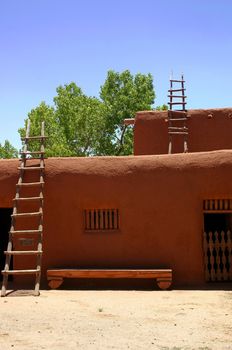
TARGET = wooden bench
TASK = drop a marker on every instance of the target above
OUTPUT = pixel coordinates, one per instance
(56, 276)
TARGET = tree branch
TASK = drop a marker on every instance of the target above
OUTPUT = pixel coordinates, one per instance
(121, 140)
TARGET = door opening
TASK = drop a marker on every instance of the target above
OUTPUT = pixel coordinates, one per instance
(5, 223)
(217, 243)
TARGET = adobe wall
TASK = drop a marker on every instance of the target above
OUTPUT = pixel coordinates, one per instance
(160, 203)
(209, 130)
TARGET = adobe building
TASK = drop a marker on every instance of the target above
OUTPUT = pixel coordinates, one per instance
(150, 210)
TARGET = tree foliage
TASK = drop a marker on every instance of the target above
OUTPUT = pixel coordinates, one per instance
(79, 125)
(81, 118)
(7, 150)
(123, 95)
(162, 108)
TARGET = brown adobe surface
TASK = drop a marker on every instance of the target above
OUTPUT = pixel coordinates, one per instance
(160, 203)
(209, 130)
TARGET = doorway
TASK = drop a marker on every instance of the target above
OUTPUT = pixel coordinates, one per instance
(5, 223)
(217, 244)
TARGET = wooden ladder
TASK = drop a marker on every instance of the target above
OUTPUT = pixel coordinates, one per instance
(33, 200)
(177, 119)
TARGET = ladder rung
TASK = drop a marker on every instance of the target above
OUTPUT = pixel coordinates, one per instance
(177, 96)
(34, 137)
(23, 252)
(178, 112)
(178, 133)
(20, 272)
(30, 184)
(177, 81)
(25, 232)
(22, 159)
(183, 128)
(31, 168)
(177, 119)
(38, 213)
(28, 199)
(32, 152)
(176, 90)
(177, 103)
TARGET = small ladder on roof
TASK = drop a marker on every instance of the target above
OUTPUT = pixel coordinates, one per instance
(177, 118)
(31, 178)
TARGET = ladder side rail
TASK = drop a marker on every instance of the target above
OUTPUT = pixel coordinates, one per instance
(23, 159)
(184, 109)
(171, 93)
(183, 93)
(40, 228)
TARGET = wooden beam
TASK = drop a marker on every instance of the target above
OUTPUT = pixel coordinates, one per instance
(129, 121)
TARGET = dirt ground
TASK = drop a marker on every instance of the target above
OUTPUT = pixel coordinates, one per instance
(165, 320)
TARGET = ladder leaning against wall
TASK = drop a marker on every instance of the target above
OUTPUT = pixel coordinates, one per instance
(27, 217)
(177, 118)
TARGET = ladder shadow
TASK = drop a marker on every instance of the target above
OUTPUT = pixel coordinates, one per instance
(20, 293)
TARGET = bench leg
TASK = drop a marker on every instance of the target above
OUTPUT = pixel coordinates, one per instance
(55, 282)
(163, 283)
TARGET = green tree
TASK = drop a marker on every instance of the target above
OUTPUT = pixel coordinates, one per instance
(82, 120)
(8, 151)
(75, 125)
(162, 108)
(123, 95)
(79, 125)
(56, 143)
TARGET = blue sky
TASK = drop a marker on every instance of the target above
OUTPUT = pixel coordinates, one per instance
(45, 43)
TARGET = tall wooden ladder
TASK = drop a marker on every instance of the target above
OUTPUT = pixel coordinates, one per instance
(29, 195)
(177, 118)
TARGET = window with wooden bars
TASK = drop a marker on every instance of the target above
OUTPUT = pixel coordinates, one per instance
(217, 239)
(217, 205)
(101, 219)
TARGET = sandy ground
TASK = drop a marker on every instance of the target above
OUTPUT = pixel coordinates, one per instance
(117, 320)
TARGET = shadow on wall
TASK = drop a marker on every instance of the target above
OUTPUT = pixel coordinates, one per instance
(5, 222)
